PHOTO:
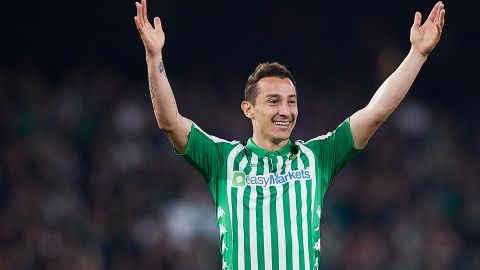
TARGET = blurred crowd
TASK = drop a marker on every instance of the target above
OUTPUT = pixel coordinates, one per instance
(88, 181)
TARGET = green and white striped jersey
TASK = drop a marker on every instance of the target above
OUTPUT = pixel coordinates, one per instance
(269, 204)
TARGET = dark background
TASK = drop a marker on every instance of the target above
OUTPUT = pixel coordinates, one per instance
(87, 181)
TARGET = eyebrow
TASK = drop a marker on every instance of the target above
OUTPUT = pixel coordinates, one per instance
(278, 96)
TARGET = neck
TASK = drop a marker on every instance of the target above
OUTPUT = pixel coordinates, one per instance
(268, 144)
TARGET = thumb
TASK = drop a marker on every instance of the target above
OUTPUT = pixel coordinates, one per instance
(417, 20)
(157, 23)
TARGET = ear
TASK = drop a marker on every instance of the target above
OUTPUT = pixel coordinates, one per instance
(247, 109)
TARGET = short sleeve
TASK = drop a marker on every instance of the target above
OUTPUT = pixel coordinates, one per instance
(205, 153)
(334, 150)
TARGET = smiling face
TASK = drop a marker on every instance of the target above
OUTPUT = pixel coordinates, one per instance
(273, 113)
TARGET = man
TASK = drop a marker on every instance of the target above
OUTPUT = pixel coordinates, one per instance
(269, 193)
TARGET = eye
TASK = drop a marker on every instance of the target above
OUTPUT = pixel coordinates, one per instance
(272, 101)
(292, 102)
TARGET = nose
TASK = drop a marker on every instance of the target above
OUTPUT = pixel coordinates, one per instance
(284, 110)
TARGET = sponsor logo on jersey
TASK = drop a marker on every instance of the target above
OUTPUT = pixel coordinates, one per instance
(240, 179)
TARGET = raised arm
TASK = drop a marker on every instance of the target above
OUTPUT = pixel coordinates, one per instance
(424, 37)
(175, 126)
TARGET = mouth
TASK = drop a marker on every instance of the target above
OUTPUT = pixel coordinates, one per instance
(282, 123)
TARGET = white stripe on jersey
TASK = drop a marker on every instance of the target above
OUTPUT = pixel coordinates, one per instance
(280, 221)
(253, 224)
(267, 244)
(215, 139)
(230, 161)
(241, 235)
(303, 185)
(293, 218)
(321, 137)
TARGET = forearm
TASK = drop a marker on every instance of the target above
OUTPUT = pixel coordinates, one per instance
(366, 121)
(396, 86)
(163, 100)
(175, 126)
(424, 37)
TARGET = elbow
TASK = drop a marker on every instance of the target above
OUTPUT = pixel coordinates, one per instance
(165, 128)
(379, 116)
(167, 125)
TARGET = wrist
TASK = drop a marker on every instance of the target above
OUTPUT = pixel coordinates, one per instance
(414, 52)
(157, 57)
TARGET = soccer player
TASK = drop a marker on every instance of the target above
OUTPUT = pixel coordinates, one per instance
(269, 193)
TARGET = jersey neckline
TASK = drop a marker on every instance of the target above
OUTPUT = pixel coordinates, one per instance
(262, 152)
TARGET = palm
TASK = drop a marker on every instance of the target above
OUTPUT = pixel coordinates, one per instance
(153, 37)
(425, 37)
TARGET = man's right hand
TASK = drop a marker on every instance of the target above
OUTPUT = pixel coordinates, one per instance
(153, 38)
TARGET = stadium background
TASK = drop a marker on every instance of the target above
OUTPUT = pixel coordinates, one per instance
(87, 181)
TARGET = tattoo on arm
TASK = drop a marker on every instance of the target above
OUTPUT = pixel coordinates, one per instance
(151, 89)
(152, 97)
(161, 67)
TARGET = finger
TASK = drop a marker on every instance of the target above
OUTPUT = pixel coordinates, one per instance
(144, 5)
(442, 18)
(439, 28)
(158, 23)
(418, 19)
(439, 10)
(139, 14)
(137, 24)
(433, 13)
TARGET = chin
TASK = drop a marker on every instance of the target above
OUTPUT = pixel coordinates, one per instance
(278, 137)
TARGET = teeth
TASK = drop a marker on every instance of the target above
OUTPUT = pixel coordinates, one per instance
(281, 123)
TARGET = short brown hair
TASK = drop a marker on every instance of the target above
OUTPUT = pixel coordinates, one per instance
(261, 71)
